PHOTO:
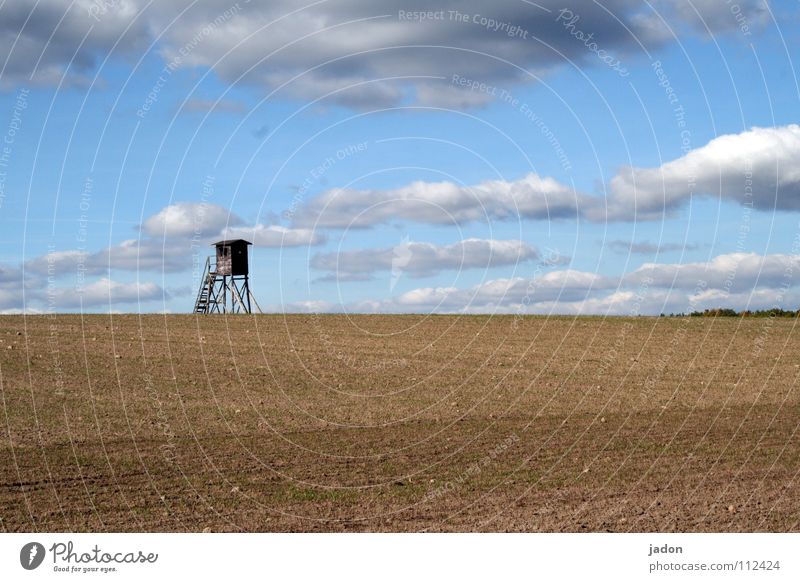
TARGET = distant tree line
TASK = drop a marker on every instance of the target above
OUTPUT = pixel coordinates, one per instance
(725, 312)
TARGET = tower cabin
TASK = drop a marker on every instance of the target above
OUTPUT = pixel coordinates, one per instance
(232, 258)
(225, 286)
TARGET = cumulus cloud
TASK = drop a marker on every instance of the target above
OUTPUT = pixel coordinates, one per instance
(188, 219)
(57, 263)
(531, 197)
(274, 235)
(341, 48)
(10, 298)
(421, 259)
(564, 286)
(129, 255)
(348, 49)
(731, 272)
(14, 287)
(737, 280)
(659, 300)
(106, 292)
(35, 290)
(41, 40)
(203, 222)
(758, 167)
(9, 274)
(171, 241)
(713, 16)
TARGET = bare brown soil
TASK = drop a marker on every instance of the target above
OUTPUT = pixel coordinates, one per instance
(398, 423)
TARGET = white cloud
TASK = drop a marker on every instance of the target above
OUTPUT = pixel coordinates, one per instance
(657, 300)
(172, 239)
(10, 298)
(204, 222)
(273, 235)
(129, 255)
(714, 16)
(146, 255)
(189, 219)
(107, 292)
(758, 167)
(531, 197)
(565, 286)
(58, 263)
(341, 48)
(731, 272)
(39, 40)
(14, 288)
(738, 280)
(420, 259)
(9, 274)
(269, 44)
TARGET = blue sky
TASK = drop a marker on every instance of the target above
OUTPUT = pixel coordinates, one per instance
(386, 160)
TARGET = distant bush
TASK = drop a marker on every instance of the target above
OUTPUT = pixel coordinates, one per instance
(726, 312)
(719, 312)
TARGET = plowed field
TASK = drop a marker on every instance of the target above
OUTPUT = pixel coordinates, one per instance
(398, 423)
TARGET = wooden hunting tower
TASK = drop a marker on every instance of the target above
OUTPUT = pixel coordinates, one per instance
(225, 286)
(232, 258)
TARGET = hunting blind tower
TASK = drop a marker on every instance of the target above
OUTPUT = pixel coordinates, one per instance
(225, 286)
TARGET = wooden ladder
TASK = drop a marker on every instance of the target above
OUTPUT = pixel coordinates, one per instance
(206, 299)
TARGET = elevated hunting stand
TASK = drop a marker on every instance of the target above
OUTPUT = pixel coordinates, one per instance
(225, 286)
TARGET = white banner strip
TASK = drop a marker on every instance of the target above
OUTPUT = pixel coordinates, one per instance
(372, 557)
